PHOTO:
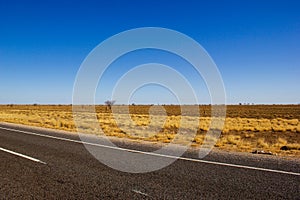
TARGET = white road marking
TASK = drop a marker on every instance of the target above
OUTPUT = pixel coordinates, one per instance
(156, 154)
(22, 155)
(139, 192)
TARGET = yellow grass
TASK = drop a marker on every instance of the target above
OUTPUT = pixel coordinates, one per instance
(242, 134)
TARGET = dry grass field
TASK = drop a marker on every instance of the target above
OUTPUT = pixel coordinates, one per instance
(274, 128)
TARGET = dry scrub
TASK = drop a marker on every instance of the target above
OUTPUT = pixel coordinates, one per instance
(239, 133)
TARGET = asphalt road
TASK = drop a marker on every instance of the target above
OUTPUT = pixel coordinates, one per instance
(38, 167)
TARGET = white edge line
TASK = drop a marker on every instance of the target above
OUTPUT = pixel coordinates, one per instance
(155, 154)
(22, 155)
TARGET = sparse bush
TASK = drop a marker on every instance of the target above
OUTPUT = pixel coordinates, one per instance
(109, 103)
(233, 139)
(261, 143)
(293, 146)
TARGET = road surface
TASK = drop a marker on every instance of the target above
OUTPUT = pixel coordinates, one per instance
(44, 164)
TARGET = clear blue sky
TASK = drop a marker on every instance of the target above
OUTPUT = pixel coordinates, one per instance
(255, 44)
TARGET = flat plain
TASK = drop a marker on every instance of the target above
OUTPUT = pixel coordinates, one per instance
(268, 128)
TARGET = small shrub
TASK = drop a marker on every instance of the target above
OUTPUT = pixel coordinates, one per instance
(261, 143)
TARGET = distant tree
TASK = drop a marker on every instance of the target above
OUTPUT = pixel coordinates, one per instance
(109, 103)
